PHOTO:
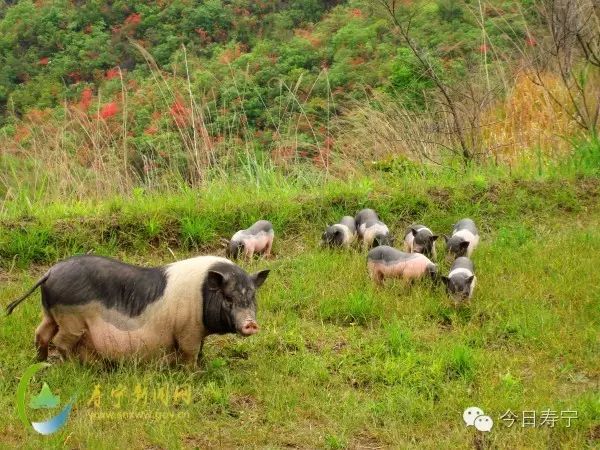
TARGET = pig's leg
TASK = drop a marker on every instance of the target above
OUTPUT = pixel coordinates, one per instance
(376, 275)
(85, 353)
(269, 246)
(189, 346)
(66, 342)
(248, 251)
(408, 243)
(43, 335)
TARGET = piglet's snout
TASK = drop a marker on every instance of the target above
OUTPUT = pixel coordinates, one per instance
(249, 327)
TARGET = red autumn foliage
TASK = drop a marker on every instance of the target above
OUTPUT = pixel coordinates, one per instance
(37, 116)
(202, 34)
(151, 130)
(179, 112)
(133, 19)
(111, 73)
(357, 61)
(74, 76)
(321, 159)
(21, 133)
(109, 110)
(230, 54)
(86, 98)
(241, 11)
(308, 35)
(44, 61)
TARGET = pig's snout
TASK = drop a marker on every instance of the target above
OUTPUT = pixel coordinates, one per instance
(249, 328)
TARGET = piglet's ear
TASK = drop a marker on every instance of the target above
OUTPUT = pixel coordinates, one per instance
(413, 231)
(446, 238)
(445, 279)
(434, 237)
(464, 244)
(470, 279)
(260, 277)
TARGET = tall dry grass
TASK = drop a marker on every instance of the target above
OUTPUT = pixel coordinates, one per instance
(78, 152)
(517, 127)
(74, 152)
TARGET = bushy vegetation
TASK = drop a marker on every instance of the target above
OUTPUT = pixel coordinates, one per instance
(140, 92)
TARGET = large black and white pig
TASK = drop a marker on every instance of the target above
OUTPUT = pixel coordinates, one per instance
(460, 282)
(340, 234)
(256, 239)
(99, 307)
(420, 239)
(464, 239)
(388, 262)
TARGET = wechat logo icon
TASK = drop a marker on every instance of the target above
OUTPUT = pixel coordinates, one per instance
(45, 399)
(474, 416)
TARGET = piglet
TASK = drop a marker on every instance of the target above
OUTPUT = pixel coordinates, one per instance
(362, 217)
(341, 234)
(387, 262)
(256, 239)
(464, 239)
(420, 239)
(460, 282)
(375, 234)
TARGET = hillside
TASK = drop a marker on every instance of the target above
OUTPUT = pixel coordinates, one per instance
(153, 95)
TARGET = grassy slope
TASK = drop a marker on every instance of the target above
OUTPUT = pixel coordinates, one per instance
(340, 362)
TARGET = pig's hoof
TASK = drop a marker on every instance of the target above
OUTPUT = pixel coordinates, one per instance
(54, 358)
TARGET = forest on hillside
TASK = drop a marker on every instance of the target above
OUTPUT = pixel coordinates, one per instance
(151, 94)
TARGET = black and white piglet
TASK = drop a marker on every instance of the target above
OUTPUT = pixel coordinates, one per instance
(341, 234)
(256, 239)
(460, 282)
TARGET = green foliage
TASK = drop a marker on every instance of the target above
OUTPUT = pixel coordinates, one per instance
(245, 59)
(408, 77)
(586, 157)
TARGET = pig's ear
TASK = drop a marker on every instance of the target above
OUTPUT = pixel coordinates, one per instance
(446, 238)
(217, 278)
(445, 279)
(259, 277)
(434, 237)
(470, 279)
(413, 231)
(464, 245)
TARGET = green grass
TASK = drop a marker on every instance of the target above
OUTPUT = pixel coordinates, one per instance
(339, 362)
